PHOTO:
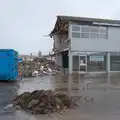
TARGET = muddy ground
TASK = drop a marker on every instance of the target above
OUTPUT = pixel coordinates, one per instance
(104, 89)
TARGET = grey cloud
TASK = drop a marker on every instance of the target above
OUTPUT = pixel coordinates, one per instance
(24, 22)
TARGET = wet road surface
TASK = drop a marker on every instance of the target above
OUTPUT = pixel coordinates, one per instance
(99, 97)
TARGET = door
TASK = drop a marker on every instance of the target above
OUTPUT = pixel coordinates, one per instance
(65, 59)
(83, 63)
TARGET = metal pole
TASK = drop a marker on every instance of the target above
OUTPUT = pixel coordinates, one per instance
(79, 64)
(70, 63)
(108, 62)
(86, 62)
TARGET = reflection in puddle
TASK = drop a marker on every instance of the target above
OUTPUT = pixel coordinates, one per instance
(75, 85)
(96, 95)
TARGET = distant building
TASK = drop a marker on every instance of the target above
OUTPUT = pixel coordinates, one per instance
(27, 57)
(39, 54)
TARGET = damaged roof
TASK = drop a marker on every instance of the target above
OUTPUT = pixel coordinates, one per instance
(63, 21)
(78, 19)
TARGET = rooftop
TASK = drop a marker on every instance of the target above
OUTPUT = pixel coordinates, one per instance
(62, 22)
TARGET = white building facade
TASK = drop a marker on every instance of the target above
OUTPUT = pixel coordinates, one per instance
(78, 41)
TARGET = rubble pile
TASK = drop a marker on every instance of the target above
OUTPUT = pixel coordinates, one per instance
(38, 66)
(42, 102)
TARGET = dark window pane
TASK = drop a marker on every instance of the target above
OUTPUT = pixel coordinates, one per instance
(84, 35)
(75, 35)
(115, 63)
(102, 30)
(84, 29)
(75, 28)
(93, 29)
(96, 64)
(93, 35)
(102, 36)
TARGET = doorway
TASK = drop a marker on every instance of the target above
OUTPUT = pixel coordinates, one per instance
(65, 59)
(80, 62)
(83, 63)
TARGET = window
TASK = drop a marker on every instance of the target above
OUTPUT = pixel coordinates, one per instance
(75, 28)
(80, 31)
(93, 35)
(75, 34)
(85, 35)
(93, 29)
(102, 31)
(84, 29)
(102, 36)
(91, 32)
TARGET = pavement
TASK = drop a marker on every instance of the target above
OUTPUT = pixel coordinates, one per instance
(104, 89)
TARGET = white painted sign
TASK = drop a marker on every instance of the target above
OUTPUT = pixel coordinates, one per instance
(96, 58)
(98, 23)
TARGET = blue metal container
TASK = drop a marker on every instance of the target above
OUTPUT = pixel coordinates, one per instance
(8, 64)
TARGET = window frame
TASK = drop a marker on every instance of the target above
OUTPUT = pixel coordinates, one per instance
(89, 32)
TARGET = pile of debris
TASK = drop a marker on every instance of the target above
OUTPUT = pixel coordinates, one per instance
(42, 102)
(38, 66)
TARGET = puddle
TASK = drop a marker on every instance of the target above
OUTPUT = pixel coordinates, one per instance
(99, 96)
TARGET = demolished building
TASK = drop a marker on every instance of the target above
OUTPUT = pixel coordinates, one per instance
(77, 38)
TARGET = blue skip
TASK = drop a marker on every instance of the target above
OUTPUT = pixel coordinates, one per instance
(8, 64)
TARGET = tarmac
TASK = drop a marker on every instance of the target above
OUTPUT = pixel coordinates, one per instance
(104, 90)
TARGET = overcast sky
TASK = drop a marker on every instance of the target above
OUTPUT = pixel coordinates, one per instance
(23, 23)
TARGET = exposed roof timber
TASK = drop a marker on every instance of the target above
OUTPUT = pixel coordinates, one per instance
(63, 21)
(59, 21)
(63, 27)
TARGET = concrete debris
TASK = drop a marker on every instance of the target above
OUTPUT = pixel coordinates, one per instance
(8, 106)
(38, 67)
(32, 103)
(42, 102)
(89, 99)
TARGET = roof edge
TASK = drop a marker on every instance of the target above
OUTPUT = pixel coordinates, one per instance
(81, 19)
